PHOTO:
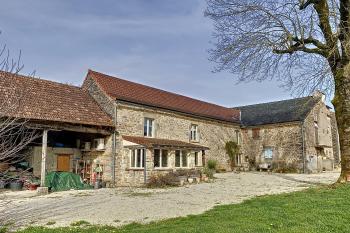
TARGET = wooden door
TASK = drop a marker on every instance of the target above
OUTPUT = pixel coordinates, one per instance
(63, 163)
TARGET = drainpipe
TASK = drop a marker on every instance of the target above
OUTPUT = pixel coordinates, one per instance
(145, 166)
(303, 144)
(113, 158)
(114, 146)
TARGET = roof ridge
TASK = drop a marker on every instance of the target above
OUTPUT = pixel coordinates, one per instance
(158, 89)
(272, 102)
(36, 78)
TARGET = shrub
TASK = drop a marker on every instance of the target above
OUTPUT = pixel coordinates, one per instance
(212, 164)
(232, 150)
(163, 180)
(283, 167)
(208, 172)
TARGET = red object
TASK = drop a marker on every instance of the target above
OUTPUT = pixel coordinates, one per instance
(33, 186)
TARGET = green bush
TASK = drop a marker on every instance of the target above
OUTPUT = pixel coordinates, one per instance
(212, 164)
(208, 172)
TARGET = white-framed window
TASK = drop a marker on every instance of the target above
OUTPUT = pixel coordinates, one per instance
(237, 137)
(160, 158)
(194, 133)
(181, 158)
(268, 152)
(197, 159)
(238, 159)
(148, 127)
(138, 157)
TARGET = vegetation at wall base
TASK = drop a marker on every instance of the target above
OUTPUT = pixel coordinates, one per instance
(322, 209)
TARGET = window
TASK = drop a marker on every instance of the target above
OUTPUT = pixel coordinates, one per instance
(238, 159)
(237, 137)
(316, 133)
(184, 158)
(194, 133)
(268, 153)
(160, 158)
(148, 127)
(177, 158)
(138, 158)
(256, 133)
(197, 159)
(180, 158)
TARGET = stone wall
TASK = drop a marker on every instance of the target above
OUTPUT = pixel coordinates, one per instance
(284, 139)
(106, 103)
(318, 139)
(34, 158)
(168, 125)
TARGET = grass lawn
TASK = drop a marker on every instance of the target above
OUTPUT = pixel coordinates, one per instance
(314, 210)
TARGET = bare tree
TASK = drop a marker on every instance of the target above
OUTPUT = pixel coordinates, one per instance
(15, 136)
(304, 43)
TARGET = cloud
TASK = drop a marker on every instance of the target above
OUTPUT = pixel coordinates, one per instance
(161, 43)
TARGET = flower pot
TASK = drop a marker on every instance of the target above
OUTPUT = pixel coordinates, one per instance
(182, 182)
(190, 180)
(4, 167)
(33, 187)
(2, 184)
(16, 185)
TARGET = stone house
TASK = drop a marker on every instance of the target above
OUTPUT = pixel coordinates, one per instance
(123, 132)
(295, 134)
(159, 131)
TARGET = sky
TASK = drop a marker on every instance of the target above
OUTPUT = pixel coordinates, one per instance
(160, 43)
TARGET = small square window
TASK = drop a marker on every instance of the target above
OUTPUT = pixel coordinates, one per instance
(268, 153)
(256, 133)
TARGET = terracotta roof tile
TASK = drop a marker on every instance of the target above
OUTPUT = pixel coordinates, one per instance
(120, 89)
(38, 99)
(157, 142)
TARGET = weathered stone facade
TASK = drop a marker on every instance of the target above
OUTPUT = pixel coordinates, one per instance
(169, 125)
(306, 146)
(129, 120)
(284, 140)
(318, 139)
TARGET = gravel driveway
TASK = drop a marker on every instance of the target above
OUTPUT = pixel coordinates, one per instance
(125, 205)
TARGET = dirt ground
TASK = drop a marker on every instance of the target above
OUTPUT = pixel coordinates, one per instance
(125, 205)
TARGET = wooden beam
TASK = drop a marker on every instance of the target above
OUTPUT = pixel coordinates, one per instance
(68, 127)
(43, 158)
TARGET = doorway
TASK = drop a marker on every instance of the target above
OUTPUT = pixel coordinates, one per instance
(63, 163)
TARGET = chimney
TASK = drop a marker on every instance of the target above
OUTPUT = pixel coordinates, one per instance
(319, 94)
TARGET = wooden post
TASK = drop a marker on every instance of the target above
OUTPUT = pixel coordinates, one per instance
(43, 158)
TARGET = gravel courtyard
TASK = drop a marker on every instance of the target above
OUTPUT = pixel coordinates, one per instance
(125, 205)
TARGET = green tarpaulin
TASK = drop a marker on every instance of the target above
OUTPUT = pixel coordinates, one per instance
(62, 181)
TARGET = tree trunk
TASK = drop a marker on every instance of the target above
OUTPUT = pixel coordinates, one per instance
(341, 104)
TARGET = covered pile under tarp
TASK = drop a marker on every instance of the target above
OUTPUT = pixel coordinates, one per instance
(62, 181)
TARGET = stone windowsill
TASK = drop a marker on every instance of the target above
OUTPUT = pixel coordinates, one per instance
(162, 169)
(134, 169)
